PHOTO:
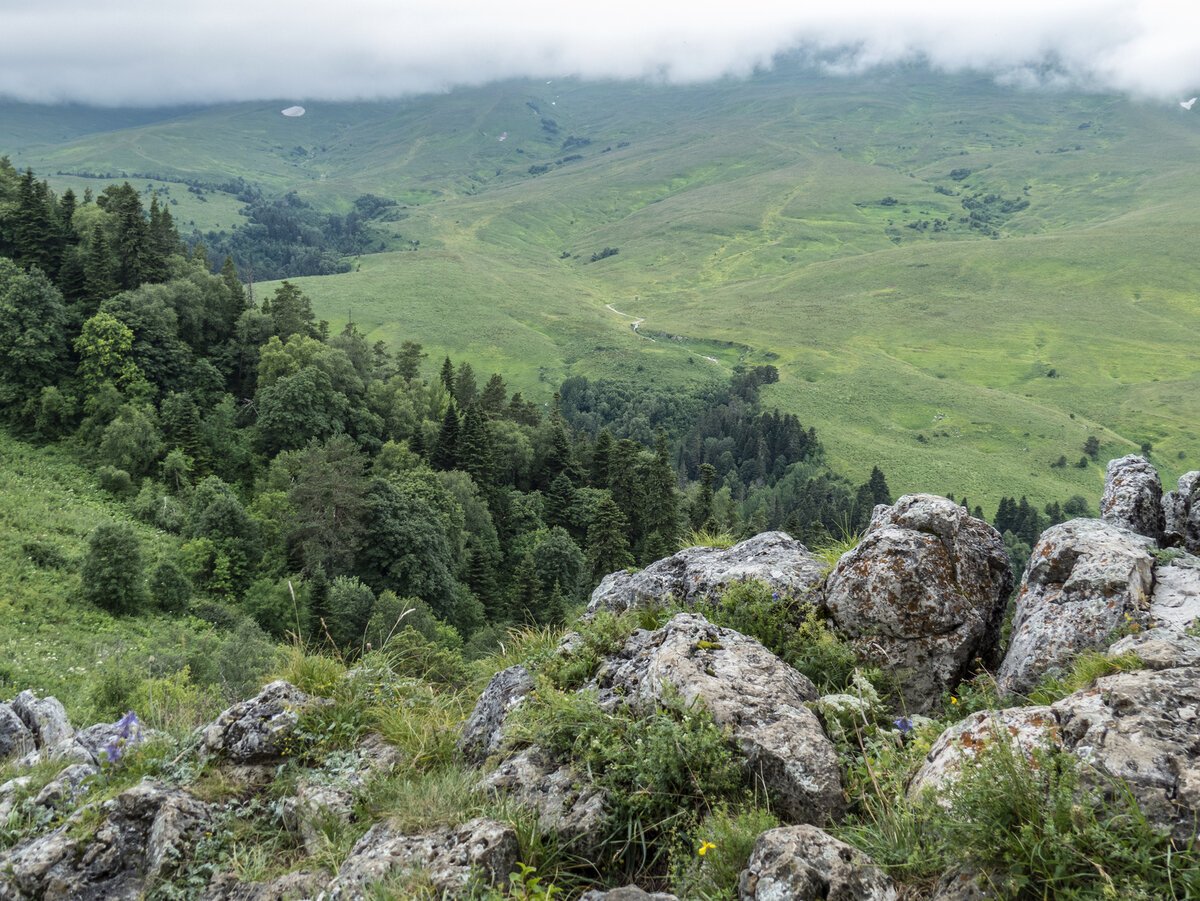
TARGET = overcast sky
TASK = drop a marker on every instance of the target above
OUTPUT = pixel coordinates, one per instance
(165, 51)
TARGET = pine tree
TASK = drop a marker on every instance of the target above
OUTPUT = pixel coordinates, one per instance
(608, 548)
(880, 493)
(660, 502)
(525, 594)
(601, 459)
(33, 232)
(408, 360)
(235, 293)
(559, 509)
(130, 233)
(494, 395)
(474, 452)
(447, 376)
(445, 455)
(702, 509)
(99, 279)
(465, 387)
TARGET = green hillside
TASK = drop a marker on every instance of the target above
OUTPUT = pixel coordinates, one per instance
(816, 223)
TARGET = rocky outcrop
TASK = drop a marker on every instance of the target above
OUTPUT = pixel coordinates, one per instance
(744, 687)
(799, 863)
(257, 729)
(1175, 603)
(1085, 579)
(447, 858)
(1133, 497)
(1159, 648)
(46, 718)
(563, 799)
(1142, 727)
(144, 832)
(15, 738)
(925, 592)
(1025, 728)
(483, 731)
(1181, 514)
(700, 574)
(300, 886)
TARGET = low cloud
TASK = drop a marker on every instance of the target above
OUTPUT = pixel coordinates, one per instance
(138, 52)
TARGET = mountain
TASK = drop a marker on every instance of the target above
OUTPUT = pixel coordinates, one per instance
(959, 281)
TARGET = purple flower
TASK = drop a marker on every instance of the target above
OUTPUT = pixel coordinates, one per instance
(127, 729)
(904, 724)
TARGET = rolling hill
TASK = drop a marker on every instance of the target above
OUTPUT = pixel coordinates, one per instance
(959, 281)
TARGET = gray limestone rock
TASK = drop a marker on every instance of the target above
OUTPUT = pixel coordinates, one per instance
(1175, 603)
(15, 738)
(564, 800)
(1159, 648)
(484, 730)
(259, 728)
(446, 857)
(700, 574)
(804, 863)
(299, 886)
(626, 893)
(46, 718)
(67, 787)
(1181, 514)
(1133, 497)
(925, 591)
(744, 687)
(1085, 579)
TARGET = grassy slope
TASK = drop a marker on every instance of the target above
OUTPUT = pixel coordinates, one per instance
(748, 212)
(49, 640)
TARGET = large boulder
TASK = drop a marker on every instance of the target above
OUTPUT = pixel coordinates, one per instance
(1181, 514)
(299, 886)
(700, 574)
(16, 740)
(46, 718)
(260, 728)
(626, 893)
(924, 590)
(804, 863)
(1084, 580)
(1175, 603)
(744, 687)
(1133, 497)
(448, 858)
(1159, 648)
(142, 834)
(483, 731)
(1142, 727)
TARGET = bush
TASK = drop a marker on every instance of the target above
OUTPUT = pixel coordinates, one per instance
(599, 637)
(45, 554)
(791, 628)
(707, 867)
(112, 575)
(116, 482)
(170, 587)
(277, 606)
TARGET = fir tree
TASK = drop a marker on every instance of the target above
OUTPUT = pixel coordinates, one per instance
(608, 548)
(445, 455)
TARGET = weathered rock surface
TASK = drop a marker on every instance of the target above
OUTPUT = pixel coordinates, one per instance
(960, 885)
(46, 718)
(1025, 728)
(1181, 514)
(925, 589)
(67, 787)
(1133, 497)
(804, 863)
(1143, 727)
(259, 728)
(447, 857)
(145, 831)
(15, 738)
(702, 574)
(564, 800)
(1160, 648)
(483, 731)
(326, 795)
(1084, 578)
(1175, 603)
(745, 687)
(299, 886)
(626, 893)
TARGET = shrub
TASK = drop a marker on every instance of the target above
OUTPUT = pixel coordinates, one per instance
(278, 606)
(112, 575)
(45, 554)
(598, 638)
(170, 587)
(707, 867)
(116, 482)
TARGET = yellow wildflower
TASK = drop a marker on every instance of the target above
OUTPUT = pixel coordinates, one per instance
(704, 848)
(953, 700)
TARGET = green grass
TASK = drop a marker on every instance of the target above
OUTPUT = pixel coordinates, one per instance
(750, 227)
(50, 640)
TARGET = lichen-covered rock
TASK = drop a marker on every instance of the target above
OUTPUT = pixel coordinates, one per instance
(259, 728)
(962, 885)
(804, 863)
(564, 800)
(483, 731)
(1024, 728)
(144, 833)
(448, 857)
(67, 787)
(626, 893)
(925, 589)
(1181, 514)
(1159, 648)
(1085, 579)
(744, 687)
(300, 886)
(1143, 727)
(15, 738)
(328, 794)
(1133, 497)
(1175, 603)
(45, 717)
(702, 574)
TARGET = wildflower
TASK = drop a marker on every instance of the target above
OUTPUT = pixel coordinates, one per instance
(705, 847)
(904, 724)
(953, 700)
(128, 729)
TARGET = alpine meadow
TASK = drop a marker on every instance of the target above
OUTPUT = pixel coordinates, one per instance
(670, 480)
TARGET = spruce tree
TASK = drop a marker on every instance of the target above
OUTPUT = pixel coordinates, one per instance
(445, 455)
(601, 459)
(607, 546)
(702, 509)
(491, 401)
(447, 376)
(99, 278)
(880, 493)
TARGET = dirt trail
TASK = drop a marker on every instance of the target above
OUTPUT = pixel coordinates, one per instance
(637, 322)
